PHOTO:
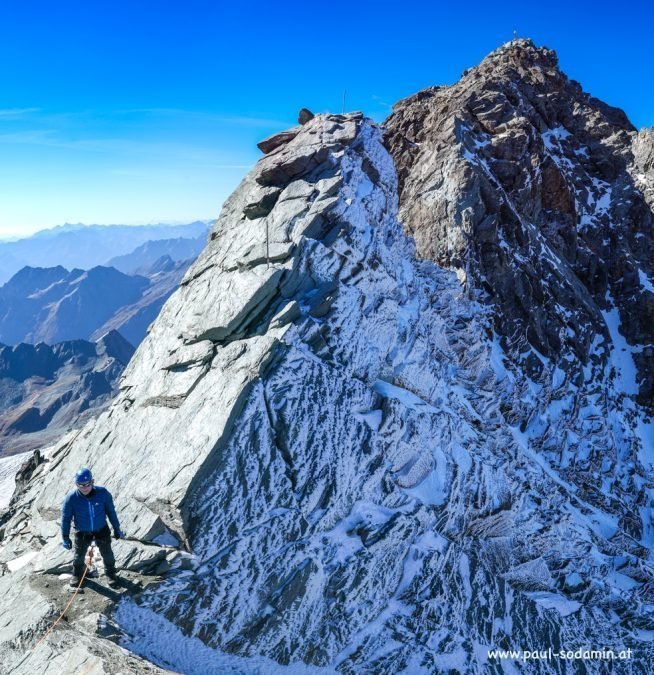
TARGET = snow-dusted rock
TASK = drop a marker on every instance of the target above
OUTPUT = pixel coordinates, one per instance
(529, 187)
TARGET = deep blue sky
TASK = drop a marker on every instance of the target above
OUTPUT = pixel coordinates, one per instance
(149, 111)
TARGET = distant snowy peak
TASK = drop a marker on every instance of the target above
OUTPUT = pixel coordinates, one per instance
(86, 246)
(52, 305)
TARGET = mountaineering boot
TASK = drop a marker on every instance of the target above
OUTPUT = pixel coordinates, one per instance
(73, 583)
(114, 581)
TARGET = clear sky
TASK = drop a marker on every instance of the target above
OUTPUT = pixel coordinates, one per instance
(149, 111)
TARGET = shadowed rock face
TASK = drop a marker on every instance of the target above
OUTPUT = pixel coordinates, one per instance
(362, 476)
(529, 188)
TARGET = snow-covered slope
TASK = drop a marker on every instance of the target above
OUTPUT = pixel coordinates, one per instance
(365, 476)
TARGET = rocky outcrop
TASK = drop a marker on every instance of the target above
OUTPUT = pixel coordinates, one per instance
(524, 184)
(304, 116)
(45, 390)
(642, 169)
(328, 452)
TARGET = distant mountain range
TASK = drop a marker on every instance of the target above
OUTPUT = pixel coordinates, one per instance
(93, 319)
(147, 254)
(45, 390)
(53, 304)
(133, 320)
(87, 246)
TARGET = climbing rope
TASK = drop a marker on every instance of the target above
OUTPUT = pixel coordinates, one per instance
(88, 564)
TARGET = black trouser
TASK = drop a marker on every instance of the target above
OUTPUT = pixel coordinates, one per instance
(83, 541)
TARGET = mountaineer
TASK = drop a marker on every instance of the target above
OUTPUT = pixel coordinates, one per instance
(89, 505)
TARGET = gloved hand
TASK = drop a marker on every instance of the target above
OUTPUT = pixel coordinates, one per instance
(119, 534)
(67, 543)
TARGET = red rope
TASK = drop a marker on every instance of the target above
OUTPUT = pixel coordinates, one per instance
(87, 567)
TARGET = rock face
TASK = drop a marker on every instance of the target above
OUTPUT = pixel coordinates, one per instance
(642, 170)
(44, 390)
(528, 186)
(367, 470)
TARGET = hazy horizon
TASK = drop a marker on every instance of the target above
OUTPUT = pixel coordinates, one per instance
(118, 114)
(25, 234)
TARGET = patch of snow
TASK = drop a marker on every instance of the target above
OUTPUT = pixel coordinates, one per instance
(166, 539)
(601, 523)
(8, 469)
(622, 582)
(573, 579)
(645, 282)
(372, 418)
(604, 202)
(342, 542)
(462, 458)
(555, 601)
(155, 638)
(621, 353)
(453, 661)
(433, 489)
(18, 563)
(552, 135)
(407, 398)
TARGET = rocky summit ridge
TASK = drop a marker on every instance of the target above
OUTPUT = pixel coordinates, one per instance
(520, 179)
(397, 413)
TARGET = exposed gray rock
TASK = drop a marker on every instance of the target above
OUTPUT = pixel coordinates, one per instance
(63, 651)
(262, 203)
(642, 170)
(304, 116)
(276, 141)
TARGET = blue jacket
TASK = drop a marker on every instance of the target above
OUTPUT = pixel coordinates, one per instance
(90, 512)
